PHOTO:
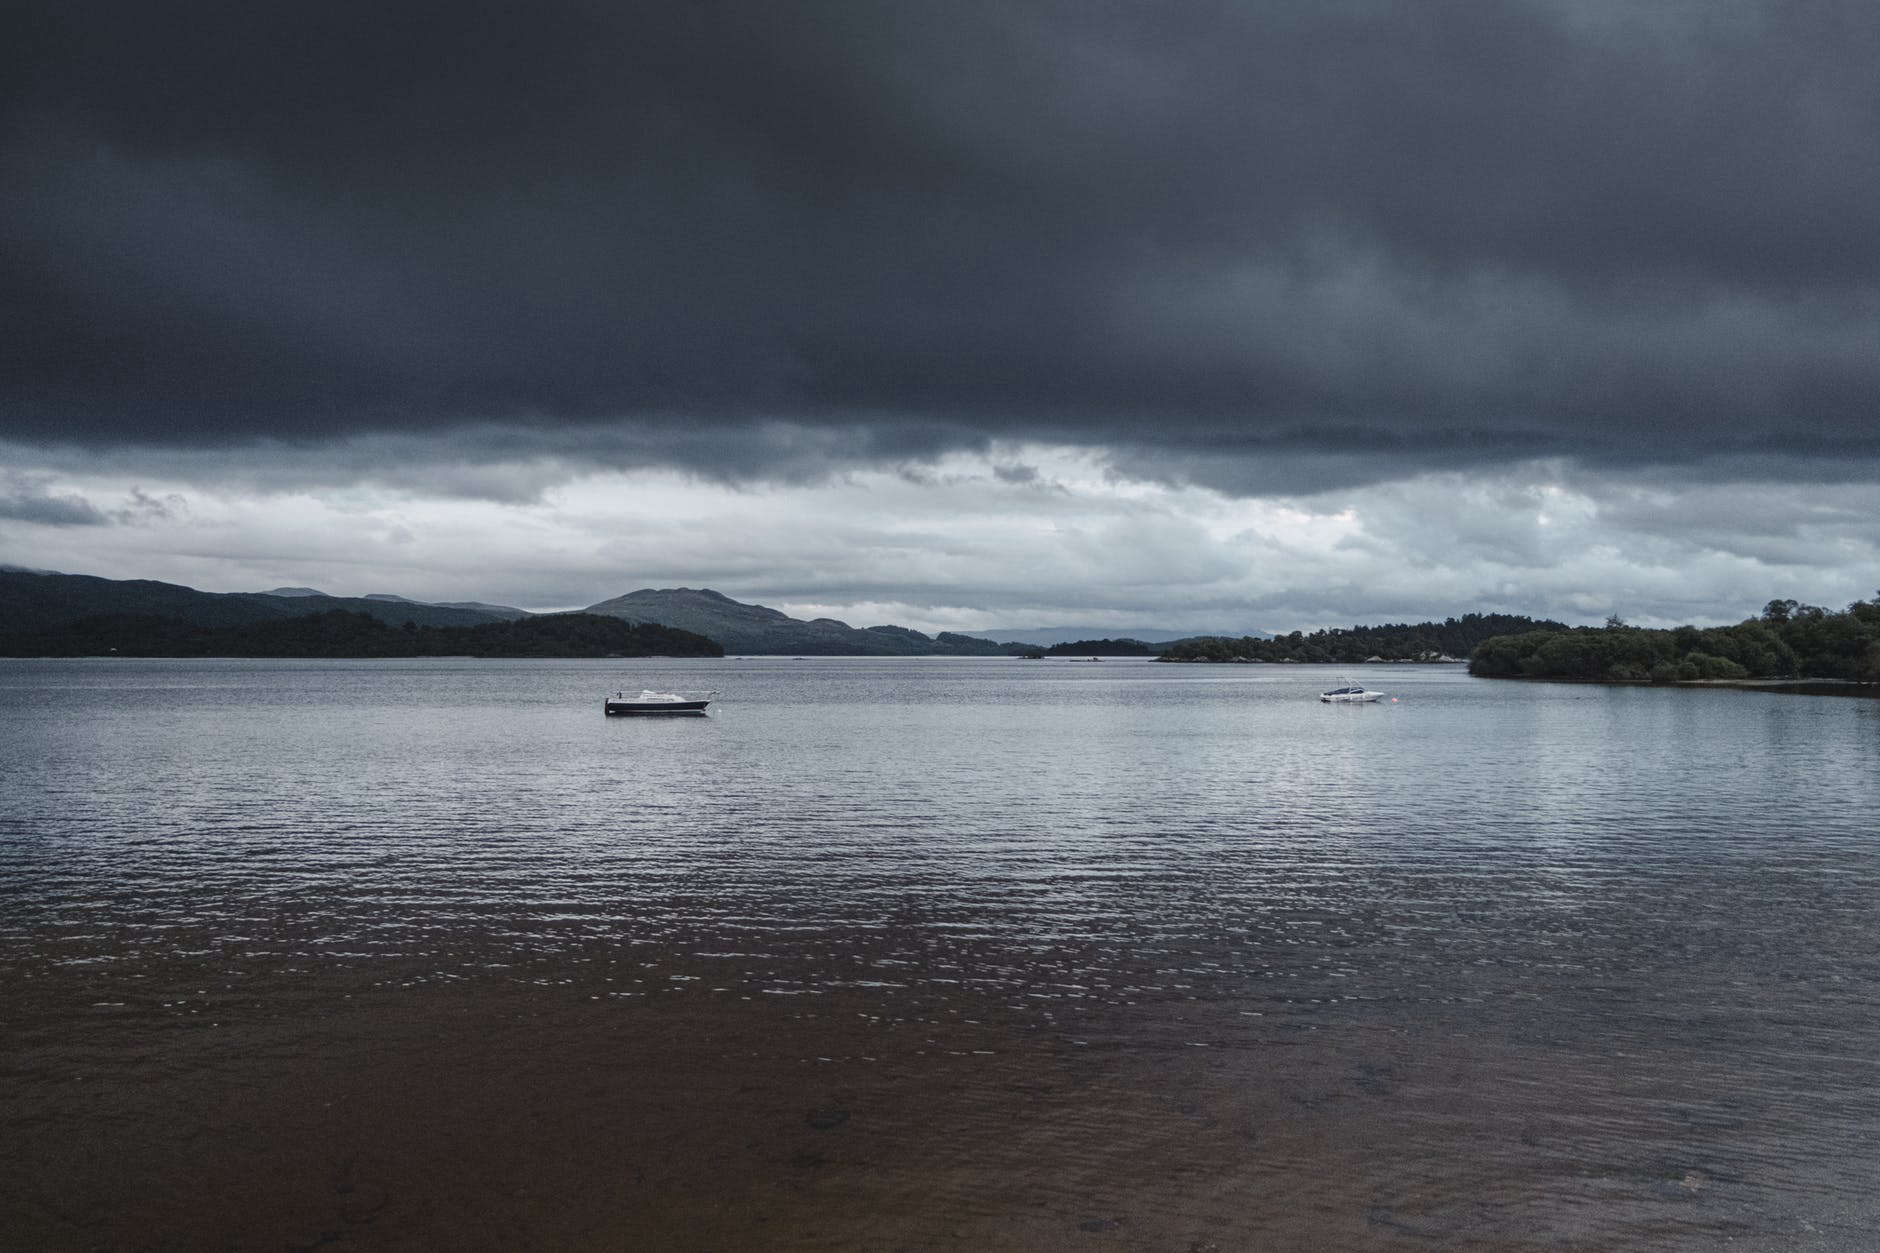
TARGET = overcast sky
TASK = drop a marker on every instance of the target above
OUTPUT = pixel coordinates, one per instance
(951, 314)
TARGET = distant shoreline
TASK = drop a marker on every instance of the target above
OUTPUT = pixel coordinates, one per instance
(1287, 661)
(1796, 687)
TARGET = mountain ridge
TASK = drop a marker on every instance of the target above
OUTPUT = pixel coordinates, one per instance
(759, 630)
(1048, 636)
(37, 602)
(505, 612)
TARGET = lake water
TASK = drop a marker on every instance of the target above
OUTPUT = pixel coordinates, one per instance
(931, 953)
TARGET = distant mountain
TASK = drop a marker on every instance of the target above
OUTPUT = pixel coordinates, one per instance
(1071, 634)
(505, 612)
(758, 629)
(39, 602)
(508, 613)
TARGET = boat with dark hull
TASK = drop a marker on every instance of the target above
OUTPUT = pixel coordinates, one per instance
(657, 703)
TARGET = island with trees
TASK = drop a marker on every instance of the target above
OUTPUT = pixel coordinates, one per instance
(1449, 640)
(1098, 648)
(1788, 640)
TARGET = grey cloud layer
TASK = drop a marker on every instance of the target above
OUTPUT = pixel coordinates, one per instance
(24, 500)
(751, 239)
(970, 547)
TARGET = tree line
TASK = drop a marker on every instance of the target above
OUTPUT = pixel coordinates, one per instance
(1105, 647)
(1787, 640)
(1422, 641)
(343, 633)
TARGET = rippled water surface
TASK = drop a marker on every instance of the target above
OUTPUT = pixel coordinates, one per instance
(1498, 964)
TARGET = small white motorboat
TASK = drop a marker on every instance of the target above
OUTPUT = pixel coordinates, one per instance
(1351, 694)
(651, 702)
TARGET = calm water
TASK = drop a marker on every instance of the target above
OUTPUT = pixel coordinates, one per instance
(1544, 965)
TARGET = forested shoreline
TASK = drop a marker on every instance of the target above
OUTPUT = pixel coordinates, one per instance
(1105, 647)
(1788, 640)
(344, 633)
(1453, 639)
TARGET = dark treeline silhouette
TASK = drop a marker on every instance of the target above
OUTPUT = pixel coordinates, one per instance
(1422, 641)
(1097, 648)
(342, 633)
(1788, 640)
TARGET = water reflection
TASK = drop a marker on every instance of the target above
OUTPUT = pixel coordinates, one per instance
(1621, 935)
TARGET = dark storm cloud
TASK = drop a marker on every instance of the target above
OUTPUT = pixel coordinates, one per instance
(1219, 238)
(23, 500)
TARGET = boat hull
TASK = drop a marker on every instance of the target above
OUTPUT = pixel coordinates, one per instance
(1359, 699)
(664, 708)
